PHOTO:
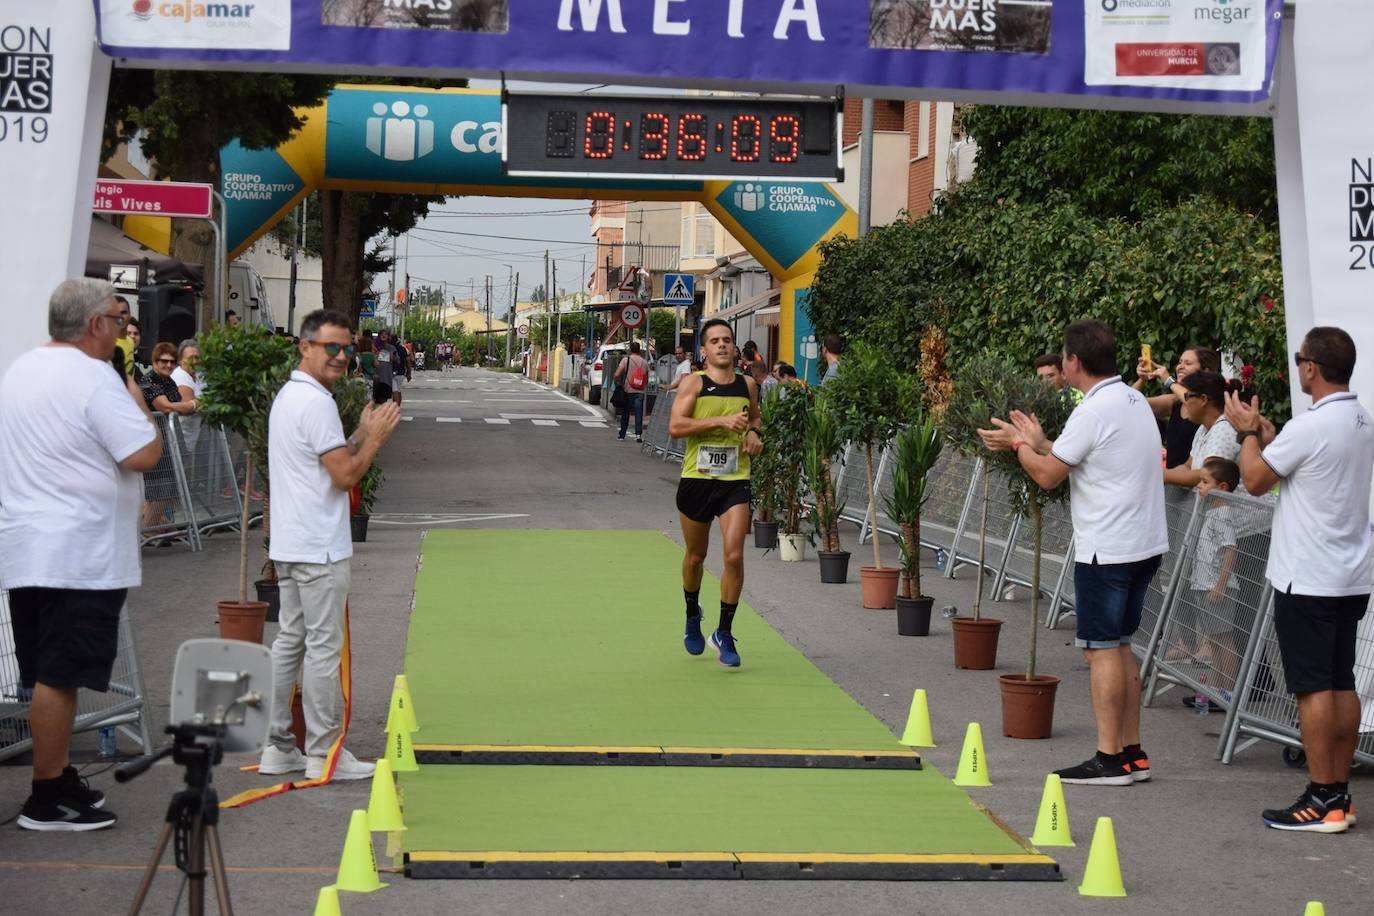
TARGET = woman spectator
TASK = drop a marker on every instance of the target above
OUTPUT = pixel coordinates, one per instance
(1204, 403)
(367, 357)
(160, 389)
(1178, 431)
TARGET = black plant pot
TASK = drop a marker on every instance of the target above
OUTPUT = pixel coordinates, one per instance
(765, 534)
(358, 523)
(913, 616)
(834, 566)
(270, 592)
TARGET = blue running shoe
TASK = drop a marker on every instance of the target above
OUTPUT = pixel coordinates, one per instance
(694, 641)
(724, 644)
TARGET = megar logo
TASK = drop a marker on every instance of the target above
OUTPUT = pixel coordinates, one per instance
(1223, 11)
(226, 13)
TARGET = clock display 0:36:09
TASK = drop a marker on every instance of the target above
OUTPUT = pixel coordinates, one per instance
(685, 137)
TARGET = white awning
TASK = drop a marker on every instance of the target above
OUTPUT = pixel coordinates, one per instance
(748, 306)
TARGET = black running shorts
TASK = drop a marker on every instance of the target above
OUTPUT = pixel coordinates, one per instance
(66, 637)
(381, 392)
(1317, 640)
(702, 500)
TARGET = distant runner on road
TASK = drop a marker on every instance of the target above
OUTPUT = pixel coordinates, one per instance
(717, 412)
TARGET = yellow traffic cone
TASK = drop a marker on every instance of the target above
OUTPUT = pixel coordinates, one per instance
(402, 710)
(1314, 908)
(973, 764)
(1052, 824)
(327, 904)
(1102, 877)
(404, 687)
(917, 733)
(383, 810)
(358, 867)
(400, 752)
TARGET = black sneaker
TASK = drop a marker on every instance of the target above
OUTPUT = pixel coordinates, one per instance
(63, 814)
(1098, 771)
(1139, 762)
(1309, 814)
(75, 786)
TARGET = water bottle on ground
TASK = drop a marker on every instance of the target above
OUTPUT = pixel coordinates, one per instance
(941, 558)
(949, 612)
(1200, 701)
(107, 741)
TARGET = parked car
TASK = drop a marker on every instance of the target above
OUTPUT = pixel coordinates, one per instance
(592, 368)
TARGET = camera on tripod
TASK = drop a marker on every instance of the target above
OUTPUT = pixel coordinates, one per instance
(221, 700)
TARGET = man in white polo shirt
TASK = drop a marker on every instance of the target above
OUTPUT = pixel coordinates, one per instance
(1319, 563)
(1109, 451)
(312, 467)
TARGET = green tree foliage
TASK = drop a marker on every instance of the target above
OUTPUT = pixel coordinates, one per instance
(1040, 238)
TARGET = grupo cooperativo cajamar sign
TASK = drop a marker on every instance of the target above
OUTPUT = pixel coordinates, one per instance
(1210, 51)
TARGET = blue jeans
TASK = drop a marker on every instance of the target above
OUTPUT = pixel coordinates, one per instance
(634, 402)
(1108, 599)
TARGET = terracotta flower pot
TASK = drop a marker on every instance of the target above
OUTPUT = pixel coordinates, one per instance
(792, 548)
(834, 566)
(878, 586)
(975, 642)
(913, 616)
(241, 620)
(1028, 706)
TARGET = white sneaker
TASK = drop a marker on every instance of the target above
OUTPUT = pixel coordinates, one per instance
(276, 762)
(348, 767)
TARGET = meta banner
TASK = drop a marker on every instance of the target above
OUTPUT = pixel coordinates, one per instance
(1205, 51)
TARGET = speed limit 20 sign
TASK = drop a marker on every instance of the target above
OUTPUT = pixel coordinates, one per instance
(632, 315)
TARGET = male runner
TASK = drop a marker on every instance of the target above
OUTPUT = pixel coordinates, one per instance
(717, 412)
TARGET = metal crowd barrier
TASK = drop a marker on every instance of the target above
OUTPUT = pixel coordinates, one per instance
(167, 513)
(211, 483)
(122, 706)
(1056, 544)
(851, 486)
(964, 547)
(656, 437)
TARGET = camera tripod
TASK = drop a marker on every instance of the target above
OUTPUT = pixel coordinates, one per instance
(192, 817)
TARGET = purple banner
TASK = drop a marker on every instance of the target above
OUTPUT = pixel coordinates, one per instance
(1100, 53)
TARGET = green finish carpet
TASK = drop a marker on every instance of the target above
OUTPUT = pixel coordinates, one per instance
(573, 639)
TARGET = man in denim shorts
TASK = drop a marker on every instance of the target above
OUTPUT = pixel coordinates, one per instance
(1319, 563)
(1109, 451)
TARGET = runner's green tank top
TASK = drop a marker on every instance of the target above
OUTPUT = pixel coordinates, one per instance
(718, 455)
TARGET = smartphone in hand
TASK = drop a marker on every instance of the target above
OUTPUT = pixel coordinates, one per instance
(1145, 359)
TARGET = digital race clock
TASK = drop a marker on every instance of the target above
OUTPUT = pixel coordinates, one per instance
(671, 137)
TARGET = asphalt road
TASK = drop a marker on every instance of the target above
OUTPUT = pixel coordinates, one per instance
(484, 449)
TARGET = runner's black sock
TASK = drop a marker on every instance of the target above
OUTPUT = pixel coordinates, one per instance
(1324, 791)
(1132, 751)
(693, 608)
(47, 790)
(727, 615)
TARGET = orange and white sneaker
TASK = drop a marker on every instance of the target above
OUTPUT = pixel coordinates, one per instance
(1309, 814)
(1349, 807)
(1139, 761)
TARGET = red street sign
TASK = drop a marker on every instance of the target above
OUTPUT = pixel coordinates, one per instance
(154, 198)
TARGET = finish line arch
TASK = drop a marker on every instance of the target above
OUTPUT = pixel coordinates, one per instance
(411, 140)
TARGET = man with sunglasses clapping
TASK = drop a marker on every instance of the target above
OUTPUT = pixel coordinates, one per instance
(313, 467)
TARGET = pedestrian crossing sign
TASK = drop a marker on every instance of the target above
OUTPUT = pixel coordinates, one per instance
(679, 289)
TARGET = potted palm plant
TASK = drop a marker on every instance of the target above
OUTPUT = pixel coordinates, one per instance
(824, 445)
(870, 398)
(914, 452)
(765, 470)
(784, 442)
(350, 395)
(244, 367)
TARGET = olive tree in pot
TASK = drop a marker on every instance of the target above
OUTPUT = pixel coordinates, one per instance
(979, 395)
(824, 444)
(914, 452)
(871, 400)
(244, 367)
(350, 396)
(1028, 698)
